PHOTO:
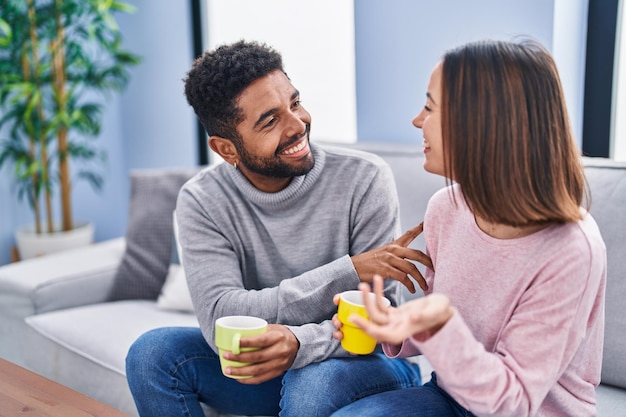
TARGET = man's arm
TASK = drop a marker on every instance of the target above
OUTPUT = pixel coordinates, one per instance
(214, 259)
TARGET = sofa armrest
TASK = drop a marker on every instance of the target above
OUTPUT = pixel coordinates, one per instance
(60, 280)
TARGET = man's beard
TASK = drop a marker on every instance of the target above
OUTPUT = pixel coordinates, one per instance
(275, 167)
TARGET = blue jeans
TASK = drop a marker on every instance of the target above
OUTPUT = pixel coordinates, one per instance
(172, 370)
(426, 401)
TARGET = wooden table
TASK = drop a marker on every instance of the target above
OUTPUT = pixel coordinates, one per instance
(24, 393)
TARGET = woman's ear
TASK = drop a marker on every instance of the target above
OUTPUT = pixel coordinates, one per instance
(224, 148)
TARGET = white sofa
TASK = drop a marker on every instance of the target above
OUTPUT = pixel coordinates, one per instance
(71, 316)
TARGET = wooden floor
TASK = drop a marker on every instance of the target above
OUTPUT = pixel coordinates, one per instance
(24, 393)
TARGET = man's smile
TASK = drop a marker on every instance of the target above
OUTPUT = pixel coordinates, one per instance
(297, 147)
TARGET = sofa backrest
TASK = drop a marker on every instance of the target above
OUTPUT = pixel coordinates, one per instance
(607, 182)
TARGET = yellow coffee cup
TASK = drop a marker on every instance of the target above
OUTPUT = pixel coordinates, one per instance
(228, 333)
(354, 339)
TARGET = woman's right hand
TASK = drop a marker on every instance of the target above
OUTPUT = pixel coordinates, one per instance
(420, 318)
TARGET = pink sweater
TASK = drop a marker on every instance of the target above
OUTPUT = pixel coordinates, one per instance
(527, 336)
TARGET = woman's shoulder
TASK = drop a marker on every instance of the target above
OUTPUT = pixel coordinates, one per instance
(446, 204)
(448, 198)
(577, 245)
(574, 233)
(590, 231)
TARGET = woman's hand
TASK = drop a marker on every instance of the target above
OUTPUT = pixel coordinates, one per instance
(421, 317)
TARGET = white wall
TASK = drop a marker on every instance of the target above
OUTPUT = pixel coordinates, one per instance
(316, 40)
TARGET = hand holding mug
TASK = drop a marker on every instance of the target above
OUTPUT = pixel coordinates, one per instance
(229, 331)
(262, 356)
(421, 317)
(351, 305)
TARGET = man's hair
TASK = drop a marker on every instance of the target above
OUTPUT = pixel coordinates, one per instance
(507, 136)
(217, 78)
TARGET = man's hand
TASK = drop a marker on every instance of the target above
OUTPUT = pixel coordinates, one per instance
(393, 261)
(278, 349)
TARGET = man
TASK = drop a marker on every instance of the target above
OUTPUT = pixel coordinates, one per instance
(275, 232)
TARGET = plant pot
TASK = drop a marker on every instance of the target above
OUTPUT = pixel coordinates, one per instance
(31, 244)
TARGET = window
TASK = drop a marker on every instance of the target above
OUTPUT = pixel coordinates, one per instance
(599, 78)
(316, 40)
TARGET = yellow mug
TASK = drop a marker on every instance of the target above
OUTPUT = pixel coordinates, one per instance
(354, 339)
(228, 332)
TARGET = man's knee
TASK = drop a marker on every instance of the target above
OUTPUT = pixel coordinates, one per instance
(155, 350)
(144, 354)
(316, 389)
(329, 385)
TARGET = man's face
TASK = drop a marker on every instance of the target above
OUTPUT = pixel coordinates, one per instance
(274, 133)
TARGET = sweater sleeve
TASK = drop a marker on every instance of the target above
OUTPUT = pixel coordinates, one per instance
(376, 222)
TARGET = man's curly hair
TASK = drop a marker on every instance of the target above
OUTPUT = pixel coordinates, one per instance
(217, 78)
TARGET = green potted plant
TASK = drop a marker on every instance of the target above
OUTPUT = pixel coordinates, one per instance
(55, 55)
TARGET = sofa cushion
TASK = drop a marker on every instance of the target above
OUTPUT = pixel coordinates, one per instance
(103, 333)
(149, 233)
(607, 180)
(611, 401)
(175, 292)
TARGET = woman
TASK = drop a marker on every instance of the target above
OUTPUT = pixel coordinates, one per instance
(512, 322)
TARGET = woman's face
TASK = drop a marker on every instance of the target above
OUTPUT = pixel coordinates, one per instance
(429, 120)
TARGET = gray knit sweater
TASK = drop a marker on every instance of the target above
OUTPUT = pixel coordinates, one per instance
(283, 256)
